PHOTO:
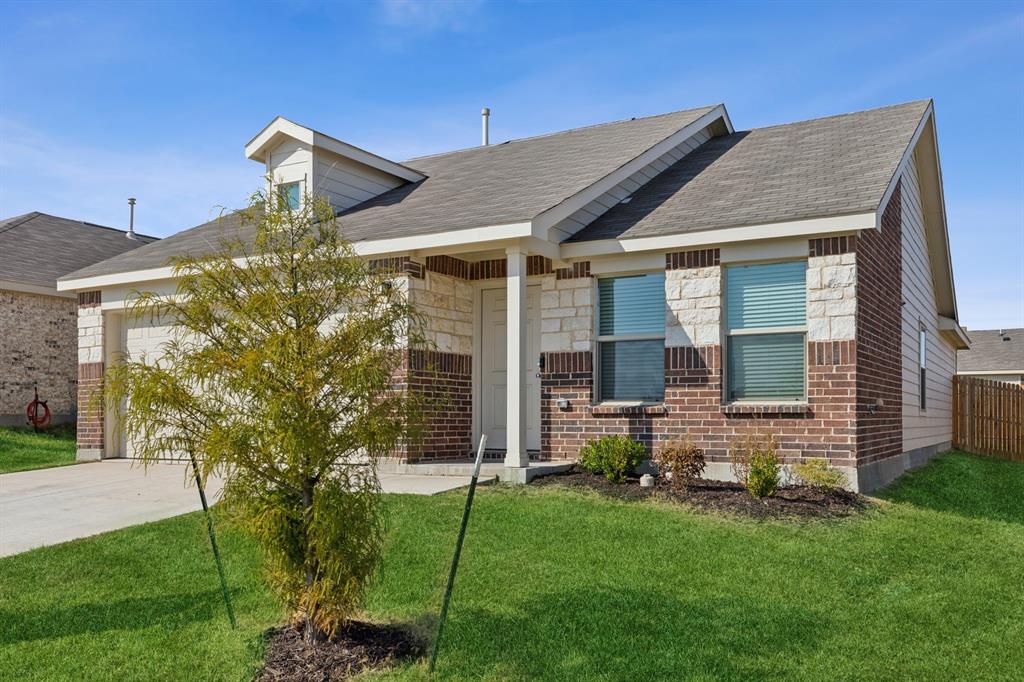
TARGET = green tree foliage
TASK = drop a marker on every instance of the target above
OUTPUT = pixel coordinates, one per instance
(280, 377)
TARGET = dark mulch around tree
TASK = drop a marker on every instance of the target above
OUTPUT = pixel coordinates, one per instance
(720, 496)
(355, 648)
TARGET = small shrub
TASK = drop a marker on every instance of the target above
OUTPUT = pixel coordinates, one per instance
(614, 456)
(680, 461)
(765, 470)
(818, 473)
(757, 465)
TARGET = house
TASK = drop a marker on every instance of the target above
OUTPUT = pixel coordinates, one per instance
(38, 324)
(995, 354)
(654, 277)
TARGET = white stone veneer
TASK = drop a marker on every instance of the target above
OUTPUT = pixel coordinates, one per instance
(566, 314)
(693, 306)
(832, 298)
(90, 334)
(446, 304)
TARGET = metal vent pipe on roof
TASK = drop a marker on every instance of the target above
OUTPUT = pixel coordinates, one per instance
(485, 114)
(131, 218)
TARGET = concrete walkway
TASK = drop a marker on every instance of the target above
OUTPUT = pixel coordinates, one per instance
(50, 506)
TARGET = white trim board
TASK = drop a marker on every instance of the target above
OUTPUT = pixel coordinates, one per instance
(37, 289)
(797, 228)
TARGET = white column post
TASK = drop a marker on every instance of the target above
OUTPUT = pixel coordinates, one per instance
(516, 361)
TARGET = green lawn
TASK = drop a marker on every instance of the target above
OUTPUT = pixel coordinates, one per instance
(562, 585)
(21, 448)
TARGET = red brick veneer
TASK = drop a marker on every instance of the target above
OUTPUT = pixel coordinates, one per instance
(879, 336)
(824, 427)
(446, 380)
(90, 406)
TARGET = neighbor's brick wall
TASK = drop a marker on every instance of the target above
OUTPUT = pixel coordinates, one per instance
(879, 320)
(38, 344)
(90, 372)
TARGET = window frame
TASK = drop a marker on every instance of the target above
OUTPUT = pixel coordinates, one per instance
(727, 332)
(597, 398)
(922, 366)
(281, 192)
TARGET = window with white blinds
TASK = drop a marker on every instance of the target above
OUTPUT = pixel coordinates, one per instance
(766, 331)
(631, 337)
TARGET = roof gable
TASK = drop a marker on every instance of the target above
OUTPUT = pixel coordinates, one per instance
(835, 166)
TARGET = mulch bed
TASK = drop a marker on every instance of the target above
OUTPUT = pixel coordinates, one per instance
(355, 648)
(720, 496)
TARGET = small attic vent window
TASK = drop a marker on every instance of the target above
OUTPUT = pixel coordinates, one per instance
(291, 194)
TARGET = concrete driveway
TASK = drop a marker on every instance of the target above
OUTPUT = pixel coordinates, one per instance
(50, 506)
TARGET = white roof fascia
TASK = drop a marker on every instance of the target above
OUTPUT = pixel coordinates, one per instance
(552, 216)
(25, 288)
(479, 237)
(796, 228)
(929, 146)
(472, 235)
(902, 166)
(258, 147)
(952, 328)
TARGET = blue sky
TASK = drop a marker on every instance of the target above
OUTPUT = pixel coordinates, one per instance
(99, 102)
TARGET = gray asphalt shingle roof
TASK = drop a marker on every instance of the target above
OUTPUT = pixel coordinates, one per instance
(990, 353)
(502, 183)
(833, 166)
(36, 248)
(824, 167)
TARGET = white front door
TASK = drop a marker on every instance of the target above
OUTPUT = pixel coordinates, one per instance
(493, 383)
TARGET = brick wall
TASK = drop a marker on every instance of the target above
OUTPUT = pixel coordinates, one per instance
(38, 346)
(879, 319)
(824, 427)
(446, 381)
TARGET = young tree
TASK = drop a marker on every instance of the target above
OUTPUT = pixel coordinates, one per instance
(281, 378)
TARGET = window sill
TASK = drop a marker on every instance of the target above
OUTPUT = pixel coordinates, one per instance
(628, 408)
(766, 408)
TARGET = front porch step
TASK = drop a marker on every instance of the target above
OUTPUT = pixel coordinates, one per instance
(465, 468)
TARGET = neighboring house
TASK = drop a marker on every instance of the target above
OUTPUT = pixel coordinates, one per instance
(996, 354)
(657, 277)
(38, 324)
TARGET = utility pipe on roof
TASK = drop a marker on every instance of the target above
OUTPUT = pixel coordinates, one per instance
(485, 115)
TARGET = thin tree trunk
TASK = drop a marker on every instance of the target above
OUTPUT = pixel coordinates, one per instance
(312, 634)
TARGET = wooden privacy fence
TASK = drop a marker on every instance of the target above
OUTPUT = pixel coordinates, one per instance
(988, 417)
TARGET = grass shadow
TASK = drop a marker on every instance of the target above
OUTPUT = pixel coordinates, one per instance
(125, 614)
(628, 634)
(965, 485)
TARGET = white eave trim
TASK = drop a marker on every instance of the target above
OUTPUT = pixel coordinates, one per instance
(954, 332)
(554, 215)
(38, 289)
(484, 237)
(796, 228)
(904, 160)
(472, 235)
(258, 147)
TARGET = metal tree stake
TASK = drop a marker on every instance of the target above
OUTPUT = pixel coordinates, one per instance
(458, 551)
(213, 540)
